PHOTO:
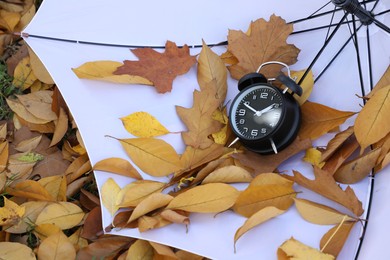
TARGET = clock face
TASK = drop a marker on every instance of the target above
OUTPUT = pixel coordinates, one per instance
(256, 112)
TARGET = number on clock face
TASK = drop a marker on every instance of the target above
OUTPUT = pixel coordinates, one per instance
(257, 111)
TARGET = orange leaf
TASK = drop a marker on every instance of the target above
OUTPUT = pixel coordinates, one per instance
(30, 190)
(333, 241)
(119, 166)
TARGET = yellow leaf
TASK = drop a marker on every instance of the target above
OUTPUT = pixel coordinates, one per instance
(132, 194)
(152, 202)
(29, 144)
(43, 231)
(58, 247)
(153, 156)
(8, 20)
(30, 190)
(293, 249)
(56, 186)
(314, 156)
(61, 127)
(3, 131)
(26, 18)
(109, 193)
(270, 178)
(143, 124)
(22, 112)
(333, 241)
(4, 148)
(256, 219)
(103, 70)
(12, 250)
(39, 104)
(306, 85)
(372, 123)
(175, 217)
(10, 213)
(39, 69)
(119, 166)
(163, 250)
(140, 250)
(228, 174)
(24, 77)
(208, 198)
(320, 214)
(255, 198)
(62, 214)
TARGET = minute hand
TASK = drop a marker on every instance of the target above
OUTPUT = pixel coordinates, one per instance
(265, 110)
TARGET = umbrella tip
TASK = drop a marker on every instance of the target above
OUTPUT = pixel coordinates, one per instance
(21, 34)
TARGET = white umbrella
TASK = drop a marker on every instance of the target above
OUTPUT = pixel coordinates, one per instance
(66, 34)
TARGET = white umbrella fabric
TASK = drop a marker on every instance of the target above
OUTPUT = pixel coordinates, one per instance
(66, 34)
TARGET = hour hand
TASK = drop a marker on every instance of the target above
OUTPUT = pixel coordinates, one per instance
(265, 110)
(257, 113)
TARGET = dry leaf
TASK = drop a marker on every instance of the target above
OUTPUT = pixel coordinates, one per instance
(4, 148)
(143, 124)
(307, 85)
(163, 250)
(372, 123)
(383, 82)
(320, 214)
(146, 223)
(159, 68)
(152, 202)
(175, 217)
(325, 185)
(30, 190)
(293, 249)
(63, 214)
(105, 247)
(208, 198)
(313, 156)
(336, 142)
(92, 224)
(12, 250)
(265, 42)
(228, 174)
(104, 70)
(10, 213)
(140, 249)
(24, 77)
(333, 241)
(153, 156)
(39, 69)
(184, 255)
(61, 127)
(119, 166)
(56, 186)
(109, 193)
(132, 194)
(257, 197)
(256, 219)
(56, 246)
(43, 231)
(23, 113)
(319, 119)
(29, 144)
(270, 178)
(8, 20)
(39, 104)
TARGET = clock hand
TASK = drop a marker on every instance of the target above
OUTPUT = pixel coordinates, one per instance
(265, 110)
(251, 108)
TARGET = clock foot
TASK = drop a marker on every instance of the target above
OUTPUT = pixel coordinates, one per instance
(273, 146)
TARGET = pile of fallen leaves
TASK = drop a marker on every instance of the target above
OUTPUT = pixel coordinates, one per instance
(50, 208)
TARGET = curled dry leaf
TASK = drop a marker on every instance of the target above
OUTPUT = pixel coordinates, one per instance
(152, 202)
(256, 219)
(63, 214)
(336, 142)
(175, 217)
(153, 156)
(132, 194)
(119, 166)
(319, 119)
(293, 249)
(4, 151)
(13, 250)
(320, 214)
(372, 123)
(333, 240)
(208, 198)
(61, 127)
(109, 194)
(228, 174)
(143, 124)
(159, 68)
(257, 197)
(104, 247)
(104, 70)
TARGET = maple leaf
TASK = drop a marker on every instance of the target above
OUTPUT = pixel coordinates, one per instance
(159, 68)
(265, 41)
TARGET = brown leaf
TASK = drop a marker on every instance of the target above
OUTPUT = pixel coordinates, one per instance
(192, 158)
(104, 247)
(266, 42)
(88, 200)
(92, 227)
(56, 246)
(257, 197)
(4, 148)
(160, 68)
(333, 241)
(208, 198)
(336, 142)
(318, 119)
(325, 185)
(119, 166)
(372, 123)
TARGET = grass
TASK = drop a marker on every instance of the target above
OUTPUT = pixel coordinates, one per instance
(6, 89)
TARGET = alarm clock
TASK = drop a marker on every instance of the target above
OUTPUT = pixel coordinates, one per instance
(264, 117)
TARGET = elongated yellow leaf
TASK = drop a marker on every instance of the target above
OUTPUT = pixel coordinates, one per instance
(256, 219)
(270, 178)
(58, 247)
(153, 156)
(103, 70)
(152, 202)
(28, 144)
(61, 127)
(163, 250)
(39, 69)
(4, 152)
(132, 194)
(24, 77)
(22, 112)
(208, 198)
(143, 124)
(255, 198)
(30, 190)
(13, 250)
(333, 240)
(140, 249)
(228, 174)
(109, 194)
(293, 249)
(307, 85)
(320, 214)
(119, 166)
(373, 121)
(63, 214)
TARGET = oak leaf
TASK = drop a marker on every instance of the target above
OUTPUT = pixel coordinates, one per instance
(313, 156)
(318, 119)
(333, 240)
(265, 42)
(159, 68)
(119, 166)
(372, 123)
(325, 185)
(143, 124)
(293, 249)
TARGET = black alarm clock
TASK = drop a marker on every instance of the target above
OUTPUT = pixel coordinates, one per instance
(264, 117)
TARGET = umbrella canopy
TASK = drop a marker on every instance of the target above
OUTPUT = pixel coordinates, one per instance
(67, 34)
